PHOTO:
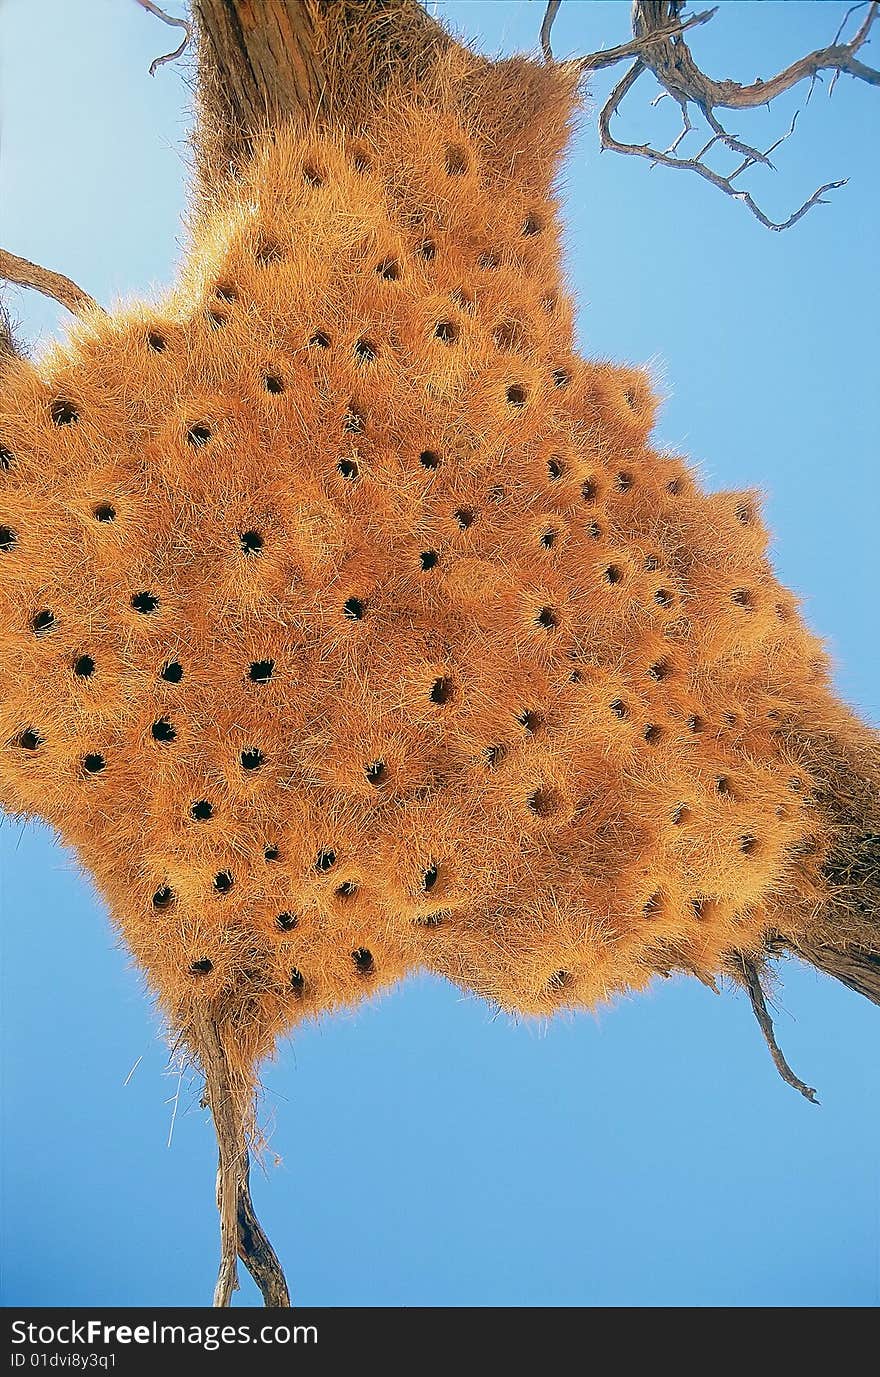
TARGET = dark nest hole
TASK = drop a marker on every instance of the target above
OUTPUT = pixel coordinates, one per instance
(354, 609)
(531, 721)
(145, 603)
(365, 351)
(544, 803)
(429, 459)
(172, 673)
(653, 906)
(653, 733)
(156, 342)
(325, 860)
(548, 618)
(7, 459)
(286, 922)
(29, 739)
(531, 226)
(274, 384)
(320, 340)
(446, 331)
(347, 890)
(613, 574)
(8, 538)
(547, 541)
(489, 261)
(271, 853)
(619, 708)
(251, 542)
(198, 434)
(430, 877)
(84, 667)
(43, 622)
(442, 690)
(427, 250)
(623, 482)
(559, 982)
(223, 882)
(561, 377)
(164, 897)
(104, 511)
(465, 517)
(202, 811)
(376, 773)
(203, 966)
(64, 413)
(389, 269)
(349, 469)
(252, 758)
(267, 250)
(297, 982)
(493, 755)
(457, 161)
(261, 671)
(163, 731)
(516, 395)
(363, 961)
(428, 559)
(555, 468)
(663, 597)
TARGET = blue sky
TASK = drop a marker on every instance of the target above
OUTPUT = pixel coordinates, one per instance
(433, 1155)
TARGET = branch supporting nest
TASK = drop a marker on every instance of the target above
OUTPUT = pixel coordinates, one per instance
(752, 981)
(241, 1234)
(26, 274)
(658, 46)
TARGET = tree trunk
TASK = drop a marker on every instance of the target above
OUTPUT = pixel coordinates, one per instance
(261, 62)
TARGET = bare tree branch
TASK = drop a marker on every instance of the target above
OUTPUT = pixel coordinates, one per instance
(26, 274)
(546, 27)
(658, 46)
(167, 19)
(607, 57)
(752, 982)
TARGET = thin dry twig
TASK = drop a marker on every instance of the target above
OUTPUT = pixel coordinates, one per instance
(752, 982)
(658, 46)
(177, 23)
(26, 274)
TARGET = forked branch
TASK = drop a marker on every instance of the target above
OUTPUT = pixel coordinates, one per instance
(658, 46)
(241, 1234)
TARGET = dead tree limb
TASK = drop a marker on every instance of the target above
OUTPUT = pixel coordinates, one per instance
(752, 982)
(26, 274)
(659, 47)
(177, 23)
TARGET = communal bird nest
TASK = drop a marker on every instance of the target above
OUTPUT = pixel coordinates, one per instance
(351, 623)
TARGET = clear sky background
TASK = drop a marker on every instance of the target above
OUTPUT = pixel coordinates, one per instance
(433, 1154)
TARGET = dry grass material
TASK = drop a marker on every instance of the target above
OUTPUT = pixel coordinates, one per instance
(351, 624)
